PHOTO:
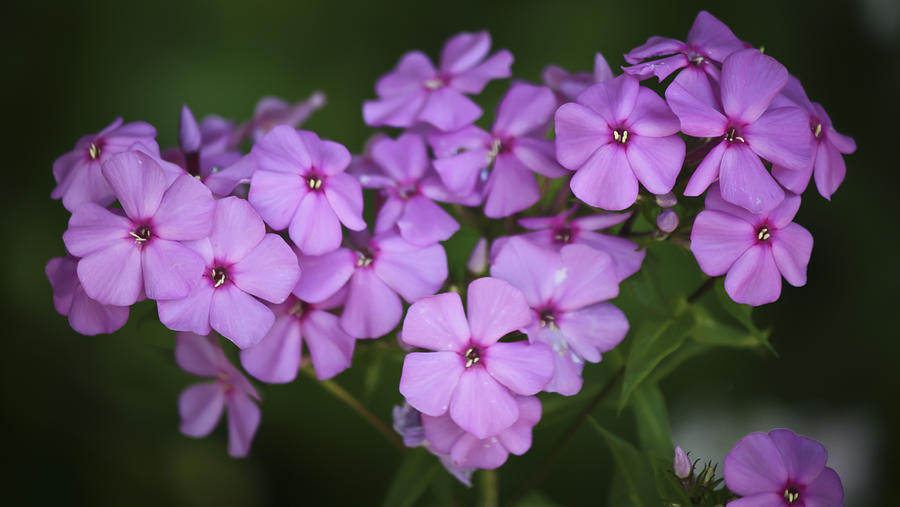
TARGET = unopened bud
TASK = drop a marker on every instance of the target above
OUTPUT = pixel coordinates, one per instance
(478, 260)
(667, 221)
(681, 464)
(666, 200)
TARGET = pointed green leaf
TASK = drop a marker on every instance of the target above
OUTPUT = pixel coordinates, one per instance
(652, 420)
(634, 483)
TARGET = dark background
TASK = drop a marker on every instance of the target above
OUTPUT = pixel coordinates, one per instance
(93, 420)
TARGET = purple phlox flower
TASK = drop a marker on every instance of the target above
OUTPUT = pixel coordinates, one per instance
(471, 375)
(205, 151)
(709, 42)
(567, 86)
(745, 128)
(408, 424)
(86, 316)
(499, 165)
(378, 273)
(827, 163)
(558, 231)
(466, 450)
(566, 291)
(417, 92)
(478, 259)
(667, 221)
(201, 405)
(124, 257)
(78, 173)
(277, 357)
(681, 465)
(401, 173)
(781, 469)
(756, 250)
(300, 185)
(618, 133)
(240, 263)
(273, 111)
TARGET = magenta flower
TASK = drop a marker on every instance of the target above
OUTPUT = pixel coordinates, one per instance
(567, 86)
(558, 231)
(708, 42)
(754, 250)
(566, 291)
(377, 275)
(300, 185)
(272, 111)
(468, 451)
(499, 165)
(470, 373)
(78, 173)
(125, 257)
(781, 469)
(276, 358)
(417, 92)
(241, 261)
(827, 163)
(746, 129)
(400, 172)
(201, 405)
(618, 133)
(86, 316)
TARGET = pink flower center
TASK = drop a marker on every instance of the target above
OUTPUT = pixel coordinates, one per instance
(733, 135)
(472, 357)
(94, 150)
(141, 234)
(763, 233)
(791, 494)
(219, 276)
(620, 135)
(562, 235)
(314, 182)
(299, 309)
(364, 259)
(548, 320)
(817, 129)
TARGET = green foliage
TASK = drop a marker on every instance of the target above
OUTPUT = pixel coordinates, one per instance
(416, 472)
(633, 483)
(652, 420)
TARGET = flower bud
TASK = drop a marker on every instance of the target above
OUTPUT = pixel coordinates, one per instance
(478, 260)
(667, 221)
(666, 200)
(681, 464)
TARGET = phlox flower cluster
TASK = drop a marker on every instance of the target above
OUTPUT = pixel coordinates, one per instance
(281, 241)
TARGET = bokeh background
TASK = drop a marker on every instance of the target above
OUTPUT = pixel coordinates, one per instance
(93, 420)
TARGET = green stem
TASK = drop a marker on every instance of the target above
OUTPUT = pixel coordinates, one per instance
(348, 399)
(490, 492)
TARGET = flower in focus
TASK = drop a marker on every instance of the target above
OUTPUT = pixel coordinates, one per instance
(78, 173)
(566, 291)
(779, 469)
(471, 375)
(201, 405)
(755, 250)
(417, 92)
(125, 257)
(498, 165)
(468, 451)
(828, 164)
(745, 128)
(558, 231)
(567, 86)
(618, 133)
(241, 261)
(377, 274)
(300, 185)
(86, 316)
(400, 172)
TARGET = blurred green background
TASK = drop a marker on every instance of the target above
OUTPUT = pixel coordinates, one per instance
(93, 420)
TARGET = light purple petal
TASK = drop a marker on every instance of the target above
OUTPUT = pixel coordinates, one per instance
(200, 407)
(330, 348)
(524, 368)
(409, 74)
(791, 248)
(328, 157)
(237, 229)
(602, 71)
(400, 110)
(661, 68)
(754, 278)
(594, 330)
(344, 194)
(464, 50)
(715, 202)
(743, 180)
(697, 109)
(539, 155)
(112, 275)
(282, 150)
(437, 323)
(276, 358)
(224, 181)
(138, 182)
(497, 66)
(429, 379)
(269, 271)
(198, 354)
(782, 137)
(830, 169)
(480, 405)
(276, 196)
(754, 466)
(825, 491)
(315, 228)
(243, 420)
(656, 161)
(530, 268)
(517, 438)
(713, 36)
(93, 228)
(707, 172)
(404, 160)
(372, 308)
(470, 452)
(323, 275)
(719, 239)
(598, 221)
(410, 270)
(588, 276)
(606, 180)
(651, 116)
(803, 457)
(760, 500)
(188, 131)
(750, 80)
(579, 133)
(448, 109)
(388, 214)
(523, 109)
(85, 183)
(626, 256)
(511, 187)
(655, 46)
(495, 308)
(170, 269)
(424, 223)
(185, 212)
(190, 313)
(460, 172)
(795, 181)
(238, 316)
(441, 432)
(567, 365)
(613, 100)
(90, 318)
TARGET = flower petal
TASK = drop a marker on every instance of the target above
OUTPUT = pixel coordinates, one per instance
(791, 248)
(530, 268)
(243, 420)
(830, 169)
(185, 212)
(707, 172)
(408, 269)
(429, 379)
(782, 137)
(315, 228)
(200, 407)
(719, 239)
(344, 195)
(539, 155)
(606, 180)
(825, 491)
(651, 116)
(460, 172)
(579, 133)
(327, 157)
(470, 452)
(198, 354)
(803, 457)
(90, 318)
(524, 108)
(269, 271)
(743, 180)
(750, 80)
(713, 36)
(138, 182)
(237, 230)
(425, 223)
(497, 66)
(276, 358)
(411, 71)
(754, 466)
(372, 309)
(441, 432)
(238, 316)
(330, 348)
(464, 50)
(495, 308)
(437, 323)
(93, 228)
(323, 275)
(400, 110)
(656, 161)
(282, 150)
(404, 159)
(698, 110)
(480, 405)
(655, 46)
(517, 438)
(594, 330)
(276, 196)
(613, 100)
(754, 278)
(524, 368)
(588, 276)
(190, 313)
(448, 109)
(171, 270)
(112, 275)
(511, 187)
(626, 256)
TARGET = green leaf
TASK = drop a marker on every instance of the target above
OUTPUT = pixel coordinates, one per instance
(634, 483)
(652, 420)
(416, 471)
(537, 499)
(722, 322)
(651, 343)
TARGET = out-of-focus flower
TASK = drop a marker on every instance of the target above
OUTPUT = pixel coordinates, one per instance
(201, 405)
(478, 259)
(681, 465)
(568, 86)
(271, 112)
(417, 92)
(667, 220)
(86, 316)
